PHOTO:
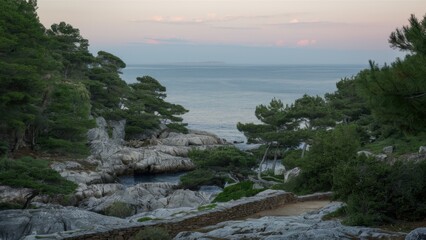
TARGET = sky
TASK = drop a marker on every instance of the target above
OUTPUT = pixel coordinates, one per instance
(237, 31)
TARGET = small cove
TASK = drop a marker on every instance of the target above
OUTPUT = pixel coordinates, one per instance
(131, 180)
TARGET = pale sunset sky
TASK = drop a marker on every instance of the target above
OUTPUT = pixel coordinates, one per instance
(237, 31)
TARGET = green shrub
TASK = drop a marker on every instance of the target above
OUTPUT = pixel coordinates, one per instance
(328, 150)
(377, 192)
(403, 143)
(292, 159)
(207, 207)
(64, 147)
(340, 212)
(223, 159)
(34, 173)
(4, 148)
(119, 209)
(199, 177)
(152, 233)
(237, 191)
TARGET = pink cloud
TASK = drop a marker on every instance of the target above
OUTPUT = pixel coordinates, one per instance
(279, 43)
(157, 18)
(152, 41)
(163, 19)
(306, 42)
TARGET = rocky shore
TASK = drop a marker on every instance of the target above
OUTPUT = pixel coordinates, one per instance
(98, 189)
(73, 223)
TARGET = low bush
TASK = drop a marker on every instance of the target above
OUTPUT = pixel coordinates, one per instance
(377, 193)
(339, 213)
(63, 147)
(223, 159)
(237, 191)
(214, 166)
(207, 207)
(34, 173)
(193, 180)
(152, 233)
(119, 209)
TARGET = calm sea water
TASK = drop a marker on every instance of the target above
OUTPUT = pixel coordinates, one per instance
(220, 96)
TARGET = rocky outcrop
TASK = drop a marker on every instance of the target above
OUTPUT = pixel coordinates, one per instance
(16, 224)
(142, 197)
(14, 195)
(306, 226)
(111, 158)
(75, 172)
(97, 190)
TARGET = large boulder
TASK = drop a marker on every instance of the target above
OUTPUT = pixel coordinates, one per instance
(186, 198)
(193, 138)
(417, 234)
(152, 161)
(16, 224)
(97, 190)
(75, 172)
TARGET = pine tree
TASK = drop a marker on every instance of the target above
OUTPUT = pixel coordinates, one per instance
(396, 93)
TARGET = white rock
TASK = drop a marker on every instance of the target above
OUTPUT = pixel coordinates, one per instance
(292, 173)
(14, 195)
(279, 170)
(388, 150)
(365, 153)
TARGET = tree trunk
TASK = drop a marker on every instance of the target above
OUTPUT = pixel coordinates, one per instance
(305, 145)
(18, 140)
(275, 160)
(261, 162)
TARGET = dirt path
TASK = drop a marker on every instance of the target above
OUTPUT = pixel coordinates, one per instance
(292, 209)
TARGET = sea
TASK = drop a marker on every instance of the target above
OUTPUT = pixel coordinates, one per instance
(218, 96)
